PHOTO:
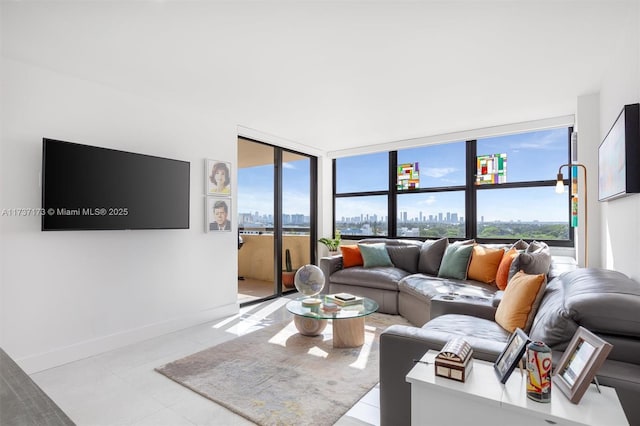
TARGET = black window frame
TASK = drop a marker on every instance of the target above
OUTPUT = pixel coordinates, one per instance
(470, 189)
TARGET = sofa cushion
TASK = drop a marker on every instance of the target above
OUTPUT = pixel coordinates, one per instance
(431, 253)
(455, 261)
(600, 300)
(531, 263)
(482, 334)
(374, 255)
(351, 256)
(405, 257)
(520, 301)
(502, 274)
(426, 287)
(560, 265)
(385, 278)
(484, 264)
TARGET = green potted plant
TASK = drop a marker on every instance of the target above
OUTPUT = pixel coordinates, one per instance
(288, 273)
(331, 243)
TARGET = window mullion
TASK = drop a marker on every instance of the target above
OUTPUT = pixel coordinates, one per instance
(392, 220)
(471, 227)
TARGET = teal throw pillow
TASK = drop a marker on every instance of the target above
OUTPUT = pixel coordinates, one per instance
(375, 255)
(456, 261)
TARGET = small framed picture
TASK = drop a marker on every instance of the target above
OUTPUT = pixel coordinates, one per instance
(511, 355)
(217, 177)
(217, 214)
(577, 367)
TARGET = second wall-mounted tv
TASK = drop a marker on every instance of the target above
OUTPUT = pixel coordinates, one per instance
(91, 188)
(619, 156)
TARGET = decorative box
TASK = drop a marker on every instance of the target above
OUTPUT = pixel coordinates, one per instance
(454, 360)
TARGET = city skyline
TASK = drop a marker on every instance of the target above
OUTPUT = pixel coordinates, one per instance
(403, 217)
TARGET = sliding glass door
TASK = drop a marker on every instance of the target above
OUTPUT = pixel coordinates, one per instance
(276, 216)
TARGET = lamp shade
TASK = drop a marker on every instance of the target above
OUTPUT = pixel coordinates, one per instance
(560, 184)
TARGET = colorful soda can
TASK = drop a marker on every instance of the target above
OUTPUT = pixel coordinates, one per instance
(539, 372)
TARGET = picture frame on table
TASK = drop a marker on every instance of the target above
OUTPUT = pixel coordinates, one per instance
(579, 364)
(511, 355)
(217, 178)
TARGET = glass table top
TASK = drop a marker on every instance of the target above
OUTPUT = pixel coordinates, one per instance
(365, 308)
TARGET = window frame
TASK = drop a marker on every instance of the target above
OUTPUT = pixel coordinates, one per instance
(470, 189)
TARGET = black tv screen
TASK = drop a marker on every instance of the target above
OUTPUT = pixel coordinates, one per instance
(91, 188)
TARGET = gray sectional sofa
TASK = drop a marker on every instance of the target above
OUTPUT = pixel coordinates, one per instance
(603, 301)
(409, 286)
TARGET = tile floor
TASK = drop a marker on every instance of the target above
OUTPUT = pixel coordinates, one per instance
(120, 387)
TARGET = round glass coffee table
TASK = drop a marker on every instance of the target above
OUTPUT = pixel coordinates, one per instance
(348, 322)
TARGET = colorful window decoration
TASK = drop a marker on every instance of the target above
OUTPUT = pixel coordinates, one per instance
(408, 176)
(574, 197)
(491, 168)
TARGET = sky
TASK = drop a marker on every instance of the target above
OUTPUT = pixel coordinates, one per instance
(255, 191)
(530, 157)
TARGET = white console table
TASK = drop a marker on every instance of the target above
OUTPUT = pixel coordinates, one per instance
(483, 400)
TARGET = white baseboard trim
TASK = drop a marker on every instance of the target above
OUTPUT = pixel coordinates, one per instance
(59, 356)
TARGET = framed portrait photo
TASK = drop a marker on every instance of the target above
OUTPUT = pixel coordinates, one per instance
(217, 214)
(577, 367)
(511, 355)
(217, 177)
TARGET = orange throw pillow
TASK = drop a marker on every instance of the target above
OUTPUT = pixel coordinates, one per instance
(502, 276)
(520, 301)
(484, 264)
(351, 256)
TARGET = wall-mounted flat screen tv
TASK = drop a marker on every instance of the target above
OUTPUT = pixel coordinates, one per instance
(619, 156)
(91, 188)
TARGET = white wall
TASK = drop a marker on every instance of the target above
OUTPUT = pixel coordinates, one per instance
(620, 221)
(588, 128)
(66, 295)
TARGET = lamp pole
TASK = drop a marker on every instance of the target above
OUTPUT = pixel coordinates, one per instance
(560, 190)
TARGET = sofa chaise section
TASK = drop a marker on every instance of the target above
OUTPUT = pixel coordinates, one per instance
(603, 301)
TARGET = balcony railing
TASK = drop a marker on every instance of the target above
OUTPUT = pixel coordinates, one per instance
(256, 257)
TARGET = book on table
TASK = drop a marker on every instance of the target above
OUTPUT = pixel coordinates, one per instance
(344, 299)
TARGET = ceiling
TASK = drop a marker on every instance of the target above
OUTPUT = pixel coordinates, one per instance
(251, 154)
(332, 74)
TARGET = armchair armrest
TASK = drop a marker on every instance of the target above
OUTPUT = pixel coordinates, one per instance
(399, 346)
(329, 265)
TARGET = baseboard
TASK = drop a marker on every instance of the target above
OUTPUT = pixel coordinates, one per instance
(59, 356)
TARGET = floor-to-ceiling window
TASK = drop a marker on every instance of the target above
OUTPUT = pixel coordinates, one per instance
(276, 213)
(362, 194)
(524, 206)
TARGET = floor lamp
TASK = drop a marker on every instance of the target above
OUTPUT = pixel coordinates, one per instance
(560, 190)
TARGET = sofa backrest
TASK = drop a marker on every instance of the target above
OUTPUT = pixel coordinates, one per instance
(391, 242)
(603, 301)
(405, 257)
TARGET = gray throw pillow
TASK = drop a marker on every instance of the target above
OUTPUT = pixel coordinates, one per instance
(520, 245)
(537, 247)
(431, 254)
(405, 257)
(531, 263)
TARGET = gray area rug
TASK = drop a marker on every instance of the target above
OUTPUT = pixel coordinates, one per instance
(275, 376)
